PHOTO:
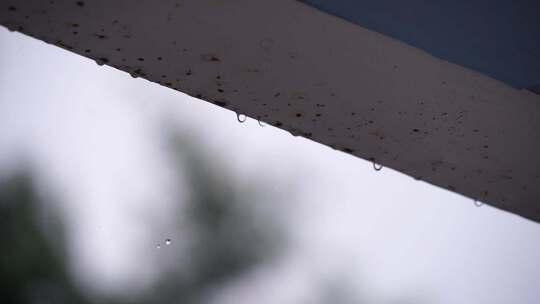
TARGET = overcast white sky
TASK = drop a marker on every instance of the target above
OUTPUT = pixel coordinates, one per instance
(94, 135)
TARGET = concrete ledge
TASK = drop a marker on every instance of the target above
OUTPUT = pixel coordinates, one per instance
(320, 77)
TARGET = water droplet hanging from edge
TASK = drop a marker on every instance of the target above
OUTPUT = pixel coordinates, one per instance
(478, 203)
(241, 117)
(377, 167)
(261, 124)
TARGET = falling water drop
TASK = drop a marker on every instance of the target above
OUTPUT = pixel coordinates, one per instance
(168, 242)
(261, 124)
(241, 117)
(158, 246)
(377, 167)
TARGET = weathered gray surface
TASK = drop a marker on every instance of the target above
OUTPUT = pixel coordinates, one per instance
(319, 77)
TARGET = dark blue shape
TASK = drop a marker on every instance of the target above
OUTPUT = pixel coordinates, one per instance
(535, 89)
(499, 38)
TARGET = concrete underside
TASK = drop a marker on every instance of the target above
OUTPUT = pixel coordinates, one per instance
(320, 77)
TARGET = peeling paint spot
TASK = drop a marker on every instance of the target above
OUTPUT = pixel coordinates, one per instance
(210, 58)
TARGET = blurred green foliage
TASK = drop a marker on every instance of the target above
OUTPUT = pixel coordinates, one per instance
(229, 238)
(31, 269)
